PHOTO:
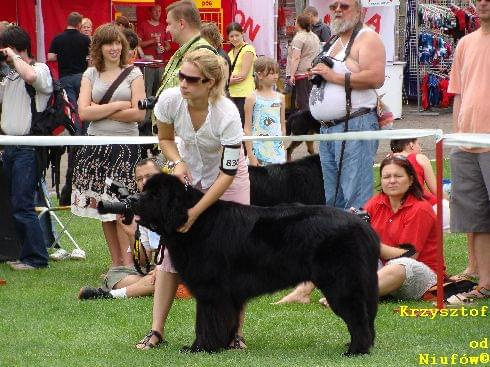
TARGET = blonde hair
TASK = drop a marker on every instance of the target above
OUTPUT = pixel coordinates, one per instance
(264, 65)
(211, 66)
(106, 34)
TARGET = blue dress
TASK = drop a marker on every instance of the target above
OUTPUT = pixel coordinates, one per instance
(266, 121)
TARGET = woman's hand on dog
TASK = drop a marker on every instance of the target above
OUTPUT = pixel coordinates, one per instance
(192, 215)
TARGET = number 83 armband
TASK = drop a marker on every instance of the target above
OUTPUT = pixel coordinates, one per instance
(230, 158)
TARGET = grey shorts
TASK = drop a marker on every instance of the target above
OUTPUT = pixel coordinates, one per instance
(470, 191)
(116, 274)
(419, 278)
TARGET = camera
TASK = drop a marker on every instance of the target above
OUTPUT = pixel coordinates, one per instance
(126, 203)
(147, 103)
(316, 79)
(361, 213)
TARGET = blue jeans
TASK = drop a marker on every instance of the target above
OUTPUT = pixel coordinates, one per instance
(356, 179)
(20, 167)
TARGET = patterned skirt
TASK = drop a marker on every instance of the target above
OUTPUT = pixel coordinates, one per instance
(95, 163)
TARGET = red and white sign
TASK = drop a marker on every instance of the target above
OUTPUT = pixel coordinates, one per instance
(380, 18)
(256, 22)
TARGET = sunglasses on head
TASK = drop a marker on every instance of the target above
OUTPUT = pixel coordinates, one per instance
(192, 79)
(342, 6)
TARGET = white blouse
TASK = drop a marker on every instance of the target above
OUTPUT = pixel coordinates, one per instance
(202, 148)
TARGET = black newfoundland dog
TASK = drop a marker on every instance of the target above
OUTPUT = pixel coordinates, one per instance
(234, 252)
(298, 181)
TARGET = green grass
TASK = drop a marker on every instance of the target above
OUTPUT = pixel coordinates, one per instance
(43, 324)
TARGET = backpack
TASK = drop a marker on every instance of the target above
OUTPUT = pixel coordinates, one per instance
(60, 116)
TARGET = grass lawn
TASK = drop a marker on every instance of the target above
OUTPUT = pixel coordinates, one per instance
(43, 324)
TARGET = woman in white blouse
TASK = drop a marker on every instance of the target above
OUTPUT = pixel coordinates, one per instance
(211, 159)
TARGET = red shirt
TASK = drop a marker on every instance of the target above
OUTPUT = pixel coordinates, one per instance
(148, 31)
(419, 170)
(414, 222)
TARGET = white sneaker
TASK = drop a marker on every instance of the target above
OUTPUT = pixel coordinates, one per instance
(59, 254)
(77, 254)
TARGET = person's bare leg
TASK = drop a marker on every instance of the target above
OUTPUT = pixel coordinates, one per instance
(390, 278)
(482, 255)
(472, 268)
(165, 288)
(300, 294)
(137, 285)
(110, 234)
(124, 244)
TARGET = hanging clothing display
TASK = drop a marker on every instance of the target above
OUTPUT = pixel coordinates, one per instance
(433, 30)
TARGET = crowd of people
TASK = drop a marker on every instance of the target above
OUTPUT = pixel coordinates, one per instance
(207, 100)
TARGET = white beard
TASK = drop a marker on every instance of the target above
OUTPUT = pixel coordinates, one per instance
(340, 26)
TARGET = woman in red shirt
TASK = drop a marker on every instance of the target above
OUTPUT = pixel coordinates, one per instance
(400, 214)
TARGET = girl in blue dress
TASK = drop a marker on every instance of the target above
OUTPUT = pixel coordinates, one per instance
(265, 115)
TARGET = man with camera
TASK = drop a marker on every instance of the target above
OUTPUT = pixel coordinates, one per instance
(343, 98)
(124, 281)
(20, 162)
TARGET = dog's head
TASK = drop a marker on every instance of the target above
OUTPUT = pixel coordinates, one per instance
(163, 204)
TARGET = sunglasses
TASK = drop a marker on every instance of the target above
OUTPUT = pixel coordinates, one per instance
(192, 79)
(342, 6)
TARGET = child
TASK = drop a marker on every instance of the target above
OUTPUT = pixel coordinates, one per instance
(411, 149)
(265, 115)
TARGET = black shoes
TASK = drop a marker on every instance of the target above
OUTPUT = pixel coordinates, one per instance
(93, 293)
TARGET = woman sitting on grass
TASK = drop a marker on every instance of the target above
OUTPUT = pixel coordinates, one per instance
(400, 214)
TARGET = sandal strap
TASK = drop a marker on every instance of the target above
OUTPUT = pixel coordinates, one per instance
(146, 340)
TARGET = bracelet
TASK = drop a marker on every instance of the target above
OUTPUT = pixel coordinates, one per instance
(178, 161)
(17, 57)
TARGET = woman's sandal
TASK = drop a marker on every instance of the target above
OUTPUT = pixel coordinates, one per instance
(238, 343)
(477, 293)
(145, 343)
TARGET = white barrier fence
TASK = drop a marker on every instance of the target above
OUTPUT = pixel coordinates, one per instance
(467, 140)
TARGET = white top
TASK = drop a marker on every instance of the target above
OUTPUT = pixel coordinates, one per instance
(327, 102)
(16, 112)
(202, 147)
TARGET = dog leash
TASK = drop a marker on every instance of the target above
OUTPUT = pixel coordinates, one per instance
(348, 106)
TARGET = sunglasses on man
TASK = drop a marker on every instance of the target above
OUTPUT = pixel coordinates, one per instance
(342, 6)
(192, 79)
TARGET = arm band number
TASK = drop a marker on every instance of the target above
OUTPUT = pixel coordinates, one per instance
(229, 159)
